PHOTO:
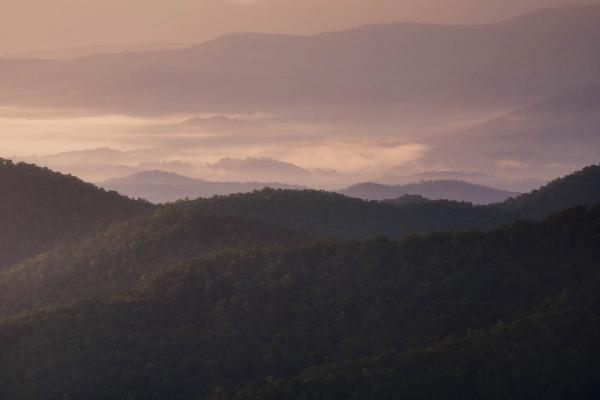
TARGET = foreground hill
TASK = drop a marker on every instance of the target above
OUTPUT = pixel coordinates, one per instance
(163, 187)
(124, 256)
(511, 313)
(433, 190)
(39, 208)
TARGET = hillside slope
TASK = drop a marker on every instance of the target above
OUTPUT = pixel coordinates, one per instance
(39, 208)
(499, 310)
(124, 256)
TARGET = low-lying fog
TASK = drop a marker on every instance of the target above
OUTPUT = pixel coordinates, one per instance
(257, 147)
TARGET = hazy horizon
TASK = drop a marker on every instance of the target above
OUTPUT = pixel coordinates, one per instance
(325, 111)
(46, 29)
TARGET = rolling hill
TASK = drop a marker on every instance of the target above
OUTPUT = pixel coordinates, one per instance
(122, 257)
(434, 190)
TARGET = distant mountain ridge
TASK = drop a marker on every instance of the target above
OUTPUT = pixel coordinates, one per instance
(434, 190)
(162, 187)
(559, 130)
(502, 64)
(135, 21)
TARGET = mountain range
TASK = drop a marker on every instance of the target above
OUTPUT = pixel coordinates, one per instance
(561, 130)
(389, 67)
(138, 22)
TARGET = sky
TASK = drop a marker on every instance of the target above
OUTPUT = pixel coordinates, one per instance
(47, 27)
(334, 154)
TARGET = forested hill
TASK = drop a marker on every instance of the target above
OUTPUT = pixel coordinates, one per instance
(334, 214)
(39, 207)
(513, 313)
(125, 254)
(581, 188)
(122, 257)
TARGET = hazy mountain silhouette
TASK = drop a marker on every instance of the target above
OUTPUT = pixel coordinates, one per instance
(188, 21)
(563, 130)
(163, 187)
(433, 190)
(406, 65)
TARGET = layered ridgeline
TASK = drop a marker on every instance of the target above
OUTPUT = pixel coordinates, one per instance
(513, 313)
(124, 256)
(39, 208)
(469, 66)
(434, 190)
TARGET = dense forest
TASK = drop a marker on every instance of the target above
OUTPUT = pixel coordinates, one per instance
(513, 313)
(281, 294)
(39, 208)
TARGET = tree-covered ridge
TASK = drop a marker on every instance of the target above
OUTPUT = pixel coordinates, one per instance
(333, 214)
(39, 208)
(297, 322)
(581, 188)
(120, 258)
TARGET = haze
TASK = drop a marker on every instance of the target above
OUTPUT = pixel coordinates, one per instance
(74, 27)
(303, 92)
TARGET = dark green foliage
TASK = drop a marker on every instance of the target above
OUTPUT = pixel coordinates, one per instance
(581, 188)
(415, 318)
(120, 258)
(39, 208)
(550, 355)
(333, 214)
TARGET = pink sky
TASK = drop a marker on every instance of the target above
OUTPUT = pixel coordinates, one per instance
(42, 25)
